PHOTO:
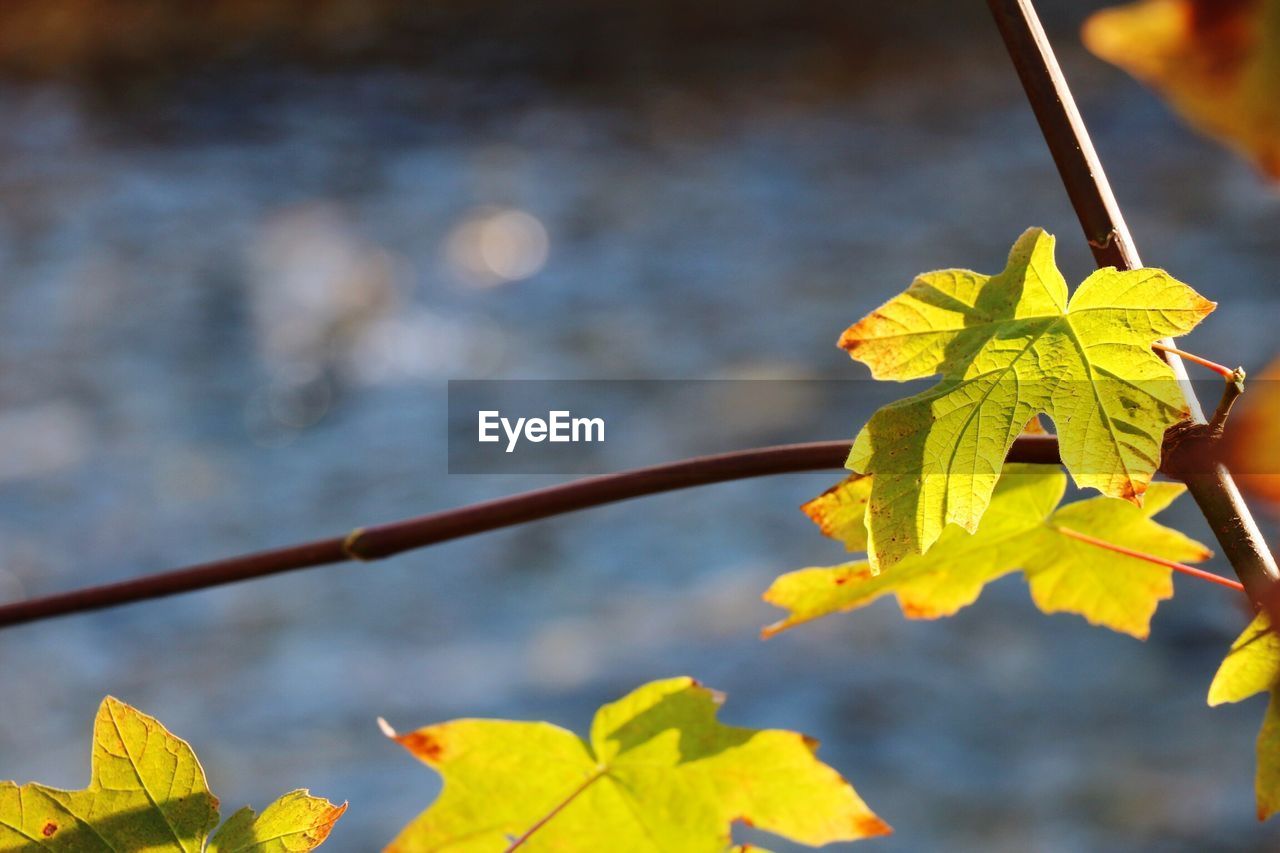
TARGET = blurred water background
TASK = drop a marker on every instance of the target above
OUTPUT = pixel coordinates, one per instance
(244, 246)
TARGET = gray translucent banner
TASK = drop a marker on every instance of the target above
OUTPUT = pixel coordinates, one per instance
(578, 427)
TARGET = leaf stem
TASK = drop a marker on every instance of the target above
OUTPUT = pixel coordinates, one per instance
(1220, 369)
(590, 780)
(1151, 558)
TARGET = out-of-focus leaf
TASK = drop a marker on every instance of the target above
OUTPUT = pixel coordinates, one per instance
(147, 793)
(658, 773)
(1253, 436)
(1021, 529)
(1008, 347)
(1252, 666)
(1216, 61)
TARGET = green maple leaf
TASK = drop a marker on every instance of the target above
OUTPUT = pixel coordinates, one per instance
(1252, 667)
(1009, 347)
(1021, 530)
(658, 773)
(147, 794)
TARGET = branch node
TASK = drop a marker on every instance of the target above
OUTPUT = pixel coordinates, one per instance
(1231, 391)
(1108, 240)
(349, 546)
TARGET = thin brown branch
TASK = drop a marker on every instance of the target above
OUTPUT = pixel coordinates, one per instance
(1230, 393)
(1104, 227)
(384, 540)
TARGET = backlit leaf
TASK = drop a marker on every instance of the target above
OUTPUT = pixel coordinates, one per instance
(295, 822)
(1216, 61)
(1021, 530)
(840, 512)
(1252, 667)
(1009, 347)
(147, 793)
(658, 773)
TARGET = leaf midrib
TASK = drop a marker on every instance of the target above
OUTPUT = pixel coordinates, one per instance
(133, 765)
(946, 497)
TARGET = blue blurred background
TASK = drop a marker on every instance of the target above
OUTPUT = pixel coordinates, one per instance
(243, 246)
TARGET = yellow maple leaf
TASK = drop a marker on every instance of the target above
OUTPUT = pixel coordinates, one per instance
(1021, 530)
(658, 772)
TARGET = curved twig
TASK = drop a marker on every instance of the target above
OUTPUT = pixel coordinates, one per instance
(384, 540)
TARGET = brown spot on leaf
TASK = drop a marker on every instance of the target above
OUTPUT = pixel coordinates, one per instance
(1207, 15)
(424, 745)
(49, 829)
(916, 610)
(320, 832)
(1222, 33)
(1129, 493)
(852, 338)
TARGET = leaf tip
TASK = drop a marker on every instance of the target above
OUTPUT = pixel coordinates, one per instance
(854, 338)
(1028, 242)
(423, 744)
(870, 826)
(850, 339)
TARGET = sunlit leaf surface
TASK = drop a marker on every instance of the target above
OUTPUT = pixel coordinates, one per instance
(147, 793)
(1022, 529)
(1009, 347)
(659, 772)
(1252, 666)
